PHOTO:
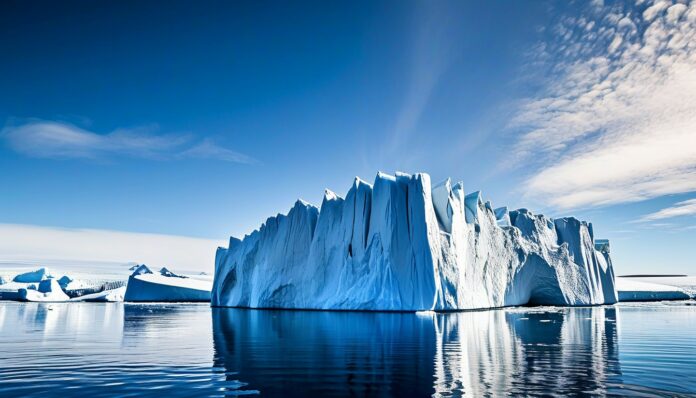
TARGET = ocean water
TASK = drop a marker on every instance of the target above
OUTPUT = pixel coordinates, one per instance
(89, 349)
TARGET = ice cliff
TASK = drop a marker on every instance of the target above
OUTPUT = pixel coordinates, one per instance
(401, 244)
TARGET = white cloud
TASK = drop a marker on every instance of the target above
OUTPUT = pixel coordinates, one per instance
(617, 119)
(209, 150)
(50, 139)
(654, 10)
(28, 243)
(680, 209)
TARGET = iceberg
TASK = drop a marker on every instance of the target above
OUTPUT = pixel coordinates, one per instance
(32, 276)
(630, 289)
(400, 245)
(106, 296)
(48, 290)
(145, 285)
(74, 285)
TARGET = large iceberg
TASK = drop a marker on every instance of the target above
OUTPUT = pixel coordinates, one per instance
(402, 245)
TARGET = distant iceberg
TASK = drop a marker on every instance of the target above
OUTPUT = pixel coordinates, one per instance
(48, 290)
(402, 245)
(145, 285)
(105, 296)
(32, 276)
(652, 289)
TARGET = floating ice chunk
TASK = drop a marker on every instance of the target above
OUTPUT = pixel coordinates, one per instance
(109, 296)
(33, 276)
(686, 283)
(630, 289)
(48, 290)
(144, 285)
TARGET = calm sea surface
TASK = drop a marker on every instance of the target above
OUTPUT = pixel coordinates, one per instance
(86, 349)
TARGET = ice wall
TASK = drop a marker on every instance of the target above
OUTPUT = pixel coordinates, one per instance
(401, 244)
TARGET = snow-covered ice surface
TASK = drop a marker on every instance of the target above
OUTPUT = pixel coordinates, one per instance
(145, 285)
(102, 283)
(74, 279)
(401, 245)
(48, 290)
(107, 296)
(686, 283)
(655, 288)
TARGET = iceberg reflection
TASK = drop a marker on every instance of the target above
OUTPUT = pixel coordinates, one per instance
(486, 353)
(522, 351)
(79, 321)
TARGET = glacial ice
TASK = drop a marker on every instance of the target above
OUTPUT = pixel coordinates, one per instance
(400, 245)
(48, 290)
(165, 272)
(86, 285)
(502, 217)
(630, 289)
(64, 281)
(32, 276)
(106, 296)
(144, 285)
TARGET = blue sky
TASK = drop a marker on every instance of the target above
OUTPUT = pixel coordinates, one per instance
(201, 120)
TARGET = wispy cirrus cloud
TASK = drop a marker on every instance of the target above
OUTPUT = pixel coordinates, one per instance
(616, 119)
(53, 139)
(434, 48)
(679, 209)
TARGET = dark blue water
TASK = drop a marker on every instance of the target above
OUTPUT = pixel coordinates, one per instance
(85, 349)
